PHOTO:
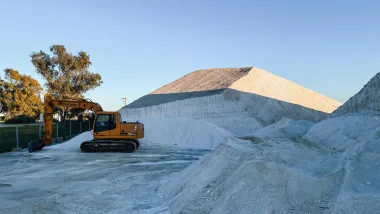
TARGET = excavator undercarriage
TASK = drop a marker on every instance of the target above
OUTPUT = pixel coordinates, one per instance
(109, 146)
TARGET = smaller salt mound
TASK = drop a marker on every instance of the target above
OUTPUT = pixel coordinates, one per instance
(367, 100)
(267, 187)
(285, 128)
(184, 186)
(184, 132)
(243, 177)
(357, 137)
(343, 133)
(72, 144)
(333, 168)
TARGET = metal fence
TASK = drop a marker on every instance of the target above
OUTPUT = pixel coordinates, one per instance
(20, 135)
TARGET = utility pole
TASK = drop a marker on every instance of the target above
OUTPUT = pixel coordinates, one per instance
(125, 100)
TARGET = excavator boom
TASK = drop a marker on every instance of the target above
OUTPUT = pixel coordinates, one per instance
(49, 104)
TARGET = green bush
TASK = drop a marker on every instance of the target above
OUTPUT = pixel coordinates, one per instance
(20, 119)
(2, 118)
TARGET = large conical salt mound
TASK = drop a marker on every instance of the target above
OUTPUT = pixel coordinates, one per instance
(367, 100)
(200, 83)
(205, 80)
(241, 100)
(263, 83)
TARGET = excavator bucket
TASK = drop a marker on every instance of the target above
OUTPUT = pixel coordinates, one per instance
(35, 145)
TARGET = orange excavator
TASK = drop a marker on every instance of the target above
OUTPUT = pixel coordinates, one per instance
(110, 134)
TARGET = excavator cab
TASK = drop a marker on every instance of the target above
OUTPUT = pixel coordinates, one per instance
(104, 122)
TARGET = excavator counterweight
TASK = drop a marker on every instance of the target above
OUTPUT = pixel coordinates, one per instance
(110, 134)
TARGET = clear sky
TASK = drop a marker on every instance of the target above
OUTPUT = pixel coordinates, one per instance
(332, 47)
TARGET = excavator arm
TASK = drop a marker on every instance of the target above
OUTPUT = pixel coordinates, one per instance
(49, 104)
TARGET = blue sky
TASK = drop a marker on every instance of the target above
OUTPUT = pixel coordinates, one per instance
(332, 47)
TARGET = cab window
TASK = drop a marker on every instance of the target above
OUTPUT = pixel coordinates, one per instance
(105, 122)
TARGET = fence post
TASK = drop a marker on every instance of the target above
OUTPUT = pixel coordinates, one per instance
(39, 131)
(80, 127)
(89, 127)
(17, 136)
(70, 128)
(57, 130)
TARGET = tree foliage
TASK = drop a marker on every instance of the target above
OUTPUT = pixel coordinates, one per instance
(66, 74)
(20, 95)
(3, 108)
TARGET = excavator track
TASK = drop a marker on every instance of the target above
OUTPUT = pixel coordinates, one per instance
(125, 146)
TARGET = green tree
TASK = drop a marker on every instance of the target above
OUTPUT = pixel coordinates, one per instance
(3, 107)
(66, 74)
(20, 95)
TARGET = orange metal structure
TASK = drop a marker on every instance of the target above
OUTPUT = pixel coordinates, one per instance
(109, 132)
